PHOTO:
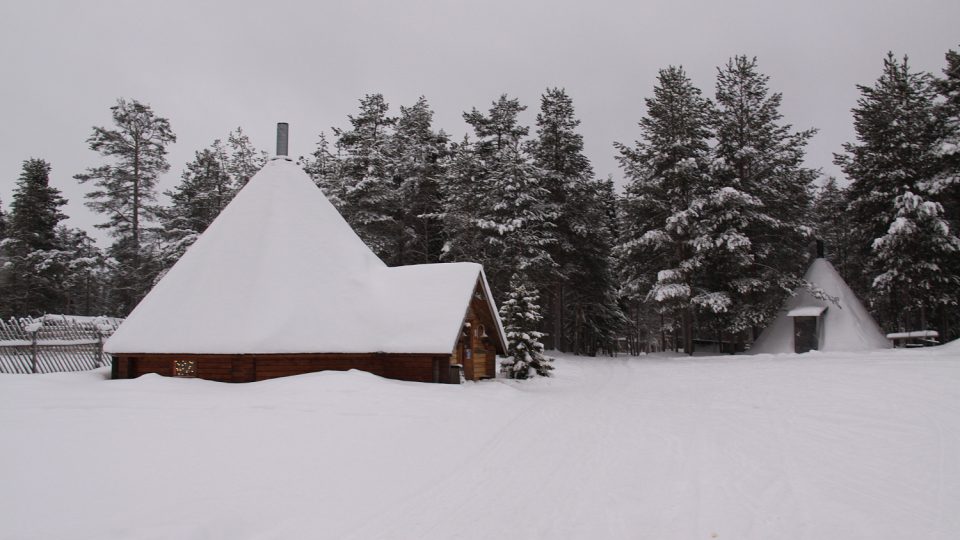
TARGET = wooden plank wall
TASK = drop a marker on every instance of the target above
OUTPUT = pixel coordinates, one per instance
(249, 368)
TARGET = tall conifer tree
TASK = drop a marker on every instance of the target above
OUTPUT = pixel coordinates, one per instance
(892, 167)
(668, 175)
(125, 191)
(583, 233)
(242, 159)
(31, 284)
(831, 224)
(369, 198)
(514, 217)
(761, 199)
(416, 163)
(204, 191)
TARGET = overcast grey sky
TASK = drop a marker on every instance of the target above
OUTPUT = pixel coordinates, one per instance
(212, 66)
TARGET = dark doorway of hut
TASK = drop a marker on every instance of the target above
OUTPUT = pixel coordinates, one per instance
(805, 334)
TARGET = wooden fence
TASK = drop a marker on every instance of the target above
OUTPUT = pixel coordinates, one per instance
(54, 343)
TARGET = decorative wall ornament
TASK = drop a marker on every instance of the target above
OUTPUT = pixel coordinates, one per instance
(184, 368)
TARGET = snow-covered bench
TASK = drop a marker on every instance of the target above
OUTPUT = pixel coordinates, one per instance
(916, 338)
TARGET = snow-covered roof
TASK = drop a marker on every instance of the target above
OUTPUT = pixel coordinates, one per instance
(847, 326)
(806, 311)
(280, 271)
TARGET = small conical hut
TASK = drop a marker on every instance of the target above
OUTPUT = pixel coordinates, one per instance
(807, 323)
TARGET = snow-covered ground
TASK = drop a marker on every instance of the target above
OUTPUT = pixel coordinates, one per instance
(815, 446)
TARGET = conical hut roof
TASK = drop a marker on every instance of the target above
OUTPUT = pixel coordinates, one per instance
(280, 271)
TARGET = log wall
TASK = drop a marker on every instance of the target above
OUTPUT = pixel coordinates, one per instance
(258, 367)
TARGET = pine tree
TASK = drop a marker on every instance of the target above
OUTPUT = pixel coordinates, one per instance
(831, 224)
(3, 222)
(756, 239)
(204, 191)
(32, 280)
(85, 278)
(582, 294)
(370, 200)
(416, 157)
(945, 186)
(897, 133)
(462, 196)
(499, 128)
(917, 255)
(593, 317)
(325, 168)
(125, 193)
(243, 159)
(35, 210)
(514, 216)
(668, 174)
(521, 318)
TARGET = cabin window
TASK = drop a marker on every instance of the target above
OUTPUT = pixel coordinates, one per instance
(184, 368)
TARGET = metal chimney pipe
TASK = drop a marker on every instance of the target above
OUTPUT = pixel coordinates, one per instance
(283, 134)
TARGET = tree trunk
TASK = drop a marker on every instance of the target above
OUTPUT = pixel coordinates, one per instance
(557, 317)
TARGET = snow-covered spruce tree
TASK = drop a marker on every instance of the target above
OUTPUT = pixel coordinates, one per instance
(668, 175)
(583, 243)
(3, 222)
(462, 193)
(242, 159)
(416, 157)
(370, 201)
(945, 186)
(831, 224)
(593, 318)
(32, 276)
(917, 255)
(125, 191)
(495, 206)
(757, 243)
(325, 168)
(85, 277)
(521, 319)
(204, 190)
(517, 222)
(898, 130)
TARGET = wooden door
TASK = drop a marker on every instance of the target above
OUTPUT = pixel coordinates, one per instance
(805, 334)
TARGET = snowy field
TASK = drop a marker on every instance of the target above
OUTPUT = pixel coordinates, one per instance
(835, 446)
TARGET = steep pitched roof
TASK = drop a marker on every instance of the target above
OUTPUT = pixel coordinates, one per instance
(847, 326)
(280, 271)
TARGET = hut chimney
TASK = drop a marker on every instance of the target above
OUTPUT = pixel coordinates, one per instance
(819, 248)
(283, 133)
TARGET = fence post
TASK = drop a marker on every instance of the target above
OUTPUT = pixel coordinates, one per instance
(99, 361)
(33, 350)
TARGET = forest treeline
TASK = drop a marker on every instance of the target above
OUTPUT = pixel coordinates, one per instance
(711, 233)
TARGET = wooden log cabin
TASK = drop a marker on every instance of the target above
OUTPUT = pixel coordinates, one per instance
(280, 285)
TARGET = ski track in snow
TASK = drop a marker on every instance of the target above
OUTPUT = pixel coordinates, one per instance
(807, 447)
